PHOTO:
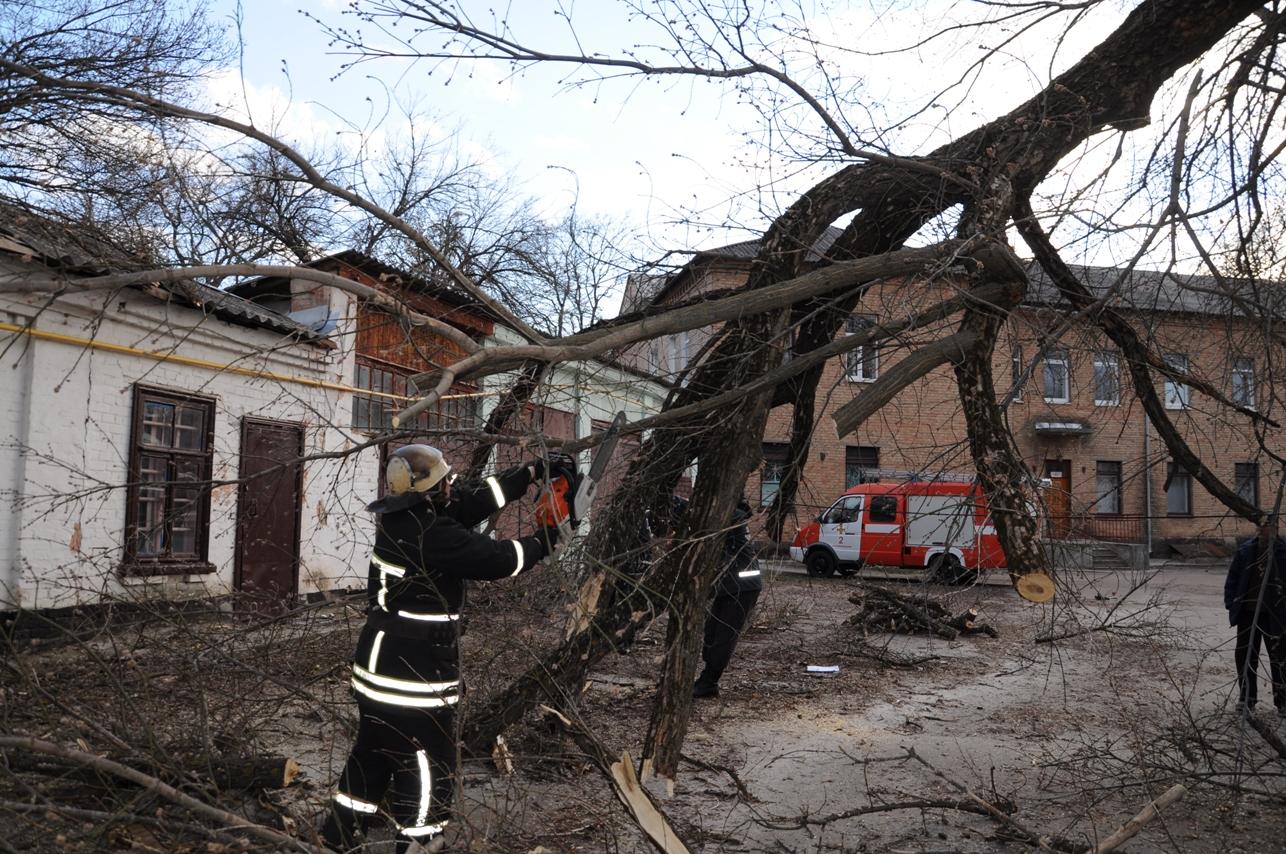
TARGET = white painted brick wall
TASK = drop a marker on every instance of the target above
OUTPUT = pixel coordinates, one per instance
(78, 450)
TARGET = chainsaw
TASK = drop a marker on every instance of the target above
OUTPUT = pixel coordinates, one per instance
(553, 507)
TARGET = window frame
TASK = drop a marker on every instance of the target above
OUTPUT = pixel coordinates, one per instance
(166, 562)
(1102, 362)
(451, 412)
(1017, 367)
(1174, 471)
(1251, 477)
(776, 457)
(1114, 492)
(1243, 367)
(1057, 357)
(853, 457)
(1176, 396)
(866, 357)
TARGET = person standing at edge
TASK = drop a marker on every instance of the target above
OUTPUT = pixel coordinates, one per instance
(406, 671)
(735, 593)
(1260, 556)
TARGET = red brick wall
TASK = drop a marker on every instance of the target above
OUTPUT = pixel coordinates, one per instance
(922, 429)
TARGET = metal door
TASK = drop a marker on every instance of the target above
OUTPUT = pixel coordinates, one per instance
(268, 508)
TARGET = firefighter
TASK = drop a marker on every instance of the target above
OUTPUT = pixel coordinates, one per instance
(1258, 611)
(735, 593)
(406, 674)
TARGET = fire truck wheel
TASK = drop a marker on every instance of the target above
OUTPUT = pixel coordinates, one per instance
(820, 563)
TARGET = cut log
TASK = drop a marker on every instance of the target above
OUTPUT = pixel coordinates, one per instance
(258, 772)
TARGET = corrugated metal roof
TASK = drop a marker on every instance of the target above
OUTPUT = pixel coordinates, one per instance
(82, 250)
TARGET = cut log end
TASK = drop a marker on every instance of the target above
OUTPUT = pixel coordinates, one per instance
(1035, 587)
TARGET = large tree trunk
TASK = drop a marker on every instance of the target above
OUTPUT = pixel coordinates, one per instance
(724, 464)
(1113, 85)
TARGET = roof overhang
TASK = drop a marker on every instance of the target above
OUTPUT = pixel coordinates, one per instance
(1068, 427)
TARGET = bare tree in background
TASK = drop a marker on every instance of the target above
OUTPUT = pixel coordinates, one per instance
(1080, 159)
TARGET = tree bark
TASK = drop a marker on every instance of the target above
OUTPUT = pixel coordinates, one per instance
(1113, 85)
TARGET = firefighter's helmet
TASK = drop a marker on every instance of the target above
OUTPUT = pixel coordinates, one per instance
(414, 468)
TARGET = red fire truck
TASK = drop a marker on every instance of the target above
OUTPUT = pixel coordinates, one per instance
(938, 524)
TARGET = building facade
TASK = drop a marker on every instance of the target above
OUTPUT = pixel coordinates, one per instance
(1078, 424)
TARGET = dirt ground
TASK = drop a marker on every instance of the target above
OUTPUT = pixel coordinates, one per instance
(1066, 740)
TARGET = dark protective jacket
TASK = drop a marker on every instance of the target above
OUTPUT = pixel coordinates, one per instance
(740, 573)
(1241, 587)
(407, 654)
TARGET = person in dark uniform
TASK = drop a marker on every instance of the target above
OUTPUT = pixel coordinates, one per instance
(1256, 618)
(736, 591)
(406, 673)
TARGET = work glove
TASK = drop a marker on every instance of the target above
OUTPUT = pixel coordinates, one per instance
(549, 536)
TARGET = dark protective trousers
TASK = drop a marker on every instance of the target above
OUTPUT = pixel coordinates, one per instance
(1246, 655)
(405, 755)
(726, 618)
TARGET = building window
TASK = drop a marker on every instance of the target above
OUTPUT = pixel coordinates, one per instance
(1177, 394)
(1107, 380)
(1178, 491)
(1017, 367)
(1243, 382)
(1057, 377)
(775, 456)
(1107, 486)
(1246, 478)
(863, 363)
(167, 519)
(860, 464)
(390, 391)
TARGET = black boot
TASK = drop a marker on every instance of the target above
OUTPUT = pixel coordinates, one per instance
(341, 829)
(705, 687)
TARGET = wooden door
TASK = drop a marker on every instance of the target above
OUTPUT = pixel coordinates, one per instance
(1058, 497)
(268, 508)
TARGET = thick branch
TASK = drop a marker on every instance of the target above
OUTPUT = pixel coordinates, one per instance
(952, 349)
(137, 100)
(745, 304)
(151, 784)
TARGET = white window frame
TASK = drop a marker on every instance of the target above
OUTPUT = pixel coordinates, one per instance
(1052, 359)
(1111, 495)
(861, 365)
(1178, 477)
(1243, 381)
(1177, 395)
(1104, 362)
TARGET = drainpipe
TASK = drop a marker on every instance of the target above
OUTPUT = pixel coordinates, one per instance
(1147, 486)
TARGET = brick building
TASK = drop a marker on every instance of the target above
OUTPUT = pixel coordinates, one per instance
(1081, 430)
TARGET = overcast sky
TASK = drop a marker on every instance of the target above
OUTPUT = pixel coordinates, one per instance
(654, 153)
